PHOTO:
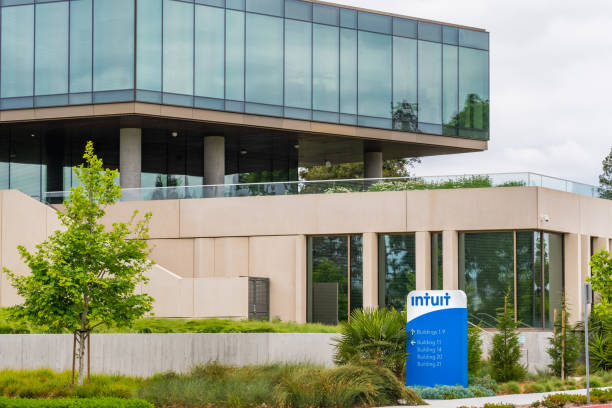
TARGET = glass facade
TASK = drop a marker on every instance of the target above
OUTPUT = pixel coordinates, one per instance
(527, 265)
(285, 58)
(335, 278)
(396, 269)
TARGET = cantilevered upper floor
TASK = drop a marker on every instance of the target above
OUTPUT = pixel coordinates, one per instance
(307, 62)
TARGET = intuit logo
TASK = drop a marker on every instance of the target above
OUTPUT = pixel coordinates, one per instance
(430, 300)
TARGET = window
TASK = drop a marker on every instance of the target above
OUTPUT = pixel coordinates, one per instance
(209, 52)
(396, 269)
(149, 47)
(450, 95)
(430, 85)
(80, 46)
(348, 71)
(489, 268)
(437, 273)
(17, 51)
(374, 75)
(298, 64)
(51, 48)
(473, 116)
(405, 83)
(178, 50)
(335, 278)
(325, 65)
(234, 55)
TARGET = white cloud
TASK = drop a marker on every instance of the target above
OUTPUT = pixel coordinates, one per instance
(551, 83)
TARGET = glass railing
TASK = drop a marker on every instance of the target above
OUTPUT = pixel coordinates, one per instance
(346, 186)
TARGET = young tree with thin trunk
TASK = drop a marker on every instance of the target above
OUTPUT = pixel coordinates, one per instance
(86, 274)
(605, 179)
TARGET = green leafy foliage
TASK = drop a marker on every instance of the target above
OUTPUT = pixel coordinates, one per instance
(280, 385)
(506, 351)
(74, 403)
(376, 335)
(600, 343)
(44, 383)
(565, 400)
(85, 274)
(493, 405)
(391, 168)
(444, 392)
(564, 350)
(605, 179)
(474, 350)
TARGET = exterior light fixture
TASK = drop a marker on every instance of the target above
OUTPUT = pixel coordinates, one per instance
(297, 146)
(174, 134)
(327, 163)
(243, 152)
(32, 135)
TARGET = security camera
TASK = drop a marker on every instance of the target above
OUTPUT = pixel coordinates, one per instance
(545, 218)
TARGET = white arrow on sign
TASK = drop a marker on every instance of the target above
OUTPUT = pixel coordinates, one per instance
(413, 342)
(412, 331)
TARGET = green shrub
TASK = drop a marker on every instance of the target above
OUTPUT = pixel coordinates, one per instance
(474, 350)
(533, 387)
(493, 405)
(377, 335)
(44, 383)
(511, 387)
(73, 403)
(338, 189)
(564, 345)
(443, 392)
(295, 385)
(506, 351)
(485, 381)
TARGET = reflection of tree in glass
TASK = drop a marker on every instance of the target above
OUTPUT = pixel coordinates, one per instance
(475, 114)
(405, 116)
(529, 278)
(400, 277)
(329, 264)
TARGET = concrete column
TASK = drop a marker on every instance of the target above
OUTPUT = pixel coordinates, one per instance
(214, 160)
(450, 259)
(600, 244)
(130, 157)
(573, 276)
(370, 270)
(372, 164)
(423, 260)
(301, 273)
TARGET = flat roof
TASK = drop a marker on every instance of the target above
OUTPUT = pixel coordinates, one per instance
(326, 3)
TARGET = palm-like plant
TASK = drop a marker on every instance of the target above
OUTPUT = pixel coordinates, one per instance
(373, 335)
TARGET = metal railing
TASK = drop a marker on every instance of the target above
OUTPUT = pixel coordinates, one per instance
(346, 186)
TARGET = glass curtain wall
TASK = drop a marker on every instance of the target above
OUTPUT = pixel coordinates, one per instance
(396, 269)
(309, 61)
(526, 265)
(335, 278)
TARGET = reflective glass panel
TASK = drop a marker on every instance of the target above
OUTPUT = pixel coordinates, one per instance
(528, 278)
(264, 59)
(272, 7)
(234, 55)
(437, 273)
(375, 22)
(4, 161)
(298, 64)
(474, 39)
(178, 47)
(325, 14)
(113, 45)
(325, 68)
(51, 48)
(450, 92)
(331, 281)
(474, 91)
(374, 75)
(405, 83)
(25, 165)
(209, 52)
(396, 270)
(80, 45)
(301, 10)
(348, 71)
(430, 86)
(430, 32)
(149, 46)
(486, 273)
(553, 276)
(17, 51)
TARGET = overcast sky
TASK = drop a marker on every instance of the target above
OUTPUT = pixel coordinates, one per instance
(551, 83)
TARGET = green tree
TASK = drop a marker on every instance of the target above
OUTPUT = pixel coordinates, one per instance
(605, 179)
(564, 349)
(85, 275)
(600, 343)
(391, 168)
(474, 350)
(506, 351)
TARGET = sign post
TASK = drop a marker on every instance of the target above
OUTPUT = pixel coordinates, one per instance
(588, 299)
(437, 338)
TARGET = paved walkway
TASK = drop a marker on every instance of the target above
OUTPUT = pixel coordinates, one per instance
(516, 399)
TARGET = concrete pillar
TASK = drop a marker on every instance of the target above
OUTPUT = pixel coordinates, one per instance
(372, 164)
(370, 270)
(301, 273)
(423, 260)
(130, 157)
(214, 160)
(573, 276)
(450, 260)
(600, 244)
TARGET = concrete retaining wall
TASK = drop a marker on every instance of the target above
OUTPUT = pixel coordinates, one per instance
(146, 354)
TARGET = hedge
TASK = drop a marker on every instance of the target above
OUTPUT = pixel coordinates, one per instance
(73, 403)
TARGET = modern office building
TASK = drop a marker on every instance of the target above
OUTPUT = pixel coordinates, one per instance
(208, 108)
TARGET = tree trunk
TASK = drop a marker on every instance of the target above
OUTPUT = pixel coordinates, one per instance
(81, 340)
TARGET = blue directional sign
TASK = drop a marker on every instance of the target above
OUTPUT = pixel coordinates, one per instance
(437, 338)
